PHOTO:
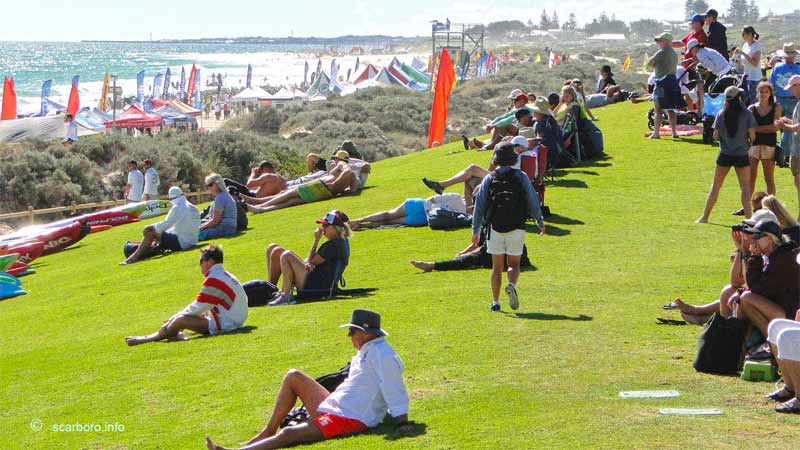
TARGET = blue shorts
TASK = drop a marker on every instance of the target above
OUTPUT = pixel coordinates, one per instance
(216, 232)
(170, 241)
(415, 212)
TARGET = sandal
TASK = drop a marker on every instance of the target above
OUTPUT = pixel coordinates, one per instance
(790, 407)
(781, 395)
(663, 321)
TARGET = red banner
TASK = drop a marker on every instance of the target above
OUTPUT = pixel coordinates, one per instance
(192, 83)
(9, 100)
(74, 102)
(445, 78)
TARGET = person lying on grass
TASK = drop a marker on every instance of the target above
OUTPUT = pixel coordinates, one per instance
(475, 256)
(413, 212)
(373, 388)
(263, 182)
(501, 126)
(783, 336)
(179, 231)
(324, 188)
(770, 277)
(318, 270)
(472, 176)
(220, 306)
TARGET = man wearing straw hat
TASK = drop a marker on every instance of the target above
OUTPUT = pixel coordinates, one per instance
(374, 386)
(779, 78)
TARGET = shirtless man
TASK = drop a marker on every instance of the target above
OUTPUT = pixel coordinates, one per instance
(337, 182)
(263, 182)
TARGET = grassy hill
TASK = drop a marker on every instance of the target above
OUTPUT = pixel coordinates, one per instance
(620, 245)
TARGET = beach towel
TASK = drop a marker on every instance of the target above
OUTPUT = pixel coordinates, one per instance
(682, 130)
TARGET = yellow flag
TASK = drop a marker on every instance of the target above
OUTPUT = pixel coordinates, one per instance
(627, 64)
(644, 65)
(538, 59)
(102, 105)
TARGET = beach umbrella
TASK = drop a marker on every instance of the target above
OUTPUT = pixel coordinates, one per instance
(9, 111)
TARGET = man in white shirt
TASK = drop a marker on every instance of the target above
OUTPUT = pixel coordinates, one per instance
(135, 186)
(178, 231)
(709, 58)
(220, 306)
(71, 135)
(374, 386)
(151, 181)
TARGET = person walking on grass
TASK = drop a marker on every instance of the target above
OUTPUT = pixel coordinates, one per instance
(220, 306)
(667, 92)
(734, 127)
(791, 129)
(505, 200)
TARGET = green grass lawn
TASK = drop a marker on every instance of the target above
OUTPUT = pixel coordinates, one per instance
(621, 243)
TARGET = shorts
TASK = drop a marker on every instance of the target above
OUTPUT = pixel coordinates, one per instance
(667, 93)
(415, 212)
(785, 335)
(794, 164)
(306, 178)
(170, 241)
(597, 100)
(218, 325)
(332, 425)
(726, 160)
(762, 152)
(216, 232)
(314, 191)
(510, 243)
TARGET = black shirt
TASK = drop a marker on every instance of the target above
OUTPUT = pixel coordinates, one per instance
(332, 252)
(603, 83)
(321, 164)
(718, 38)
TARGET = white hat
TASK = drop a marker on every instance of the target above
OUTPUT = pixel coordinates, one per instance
(175, 192)
(692, 44)
(788, 50)
(761, 215)
(793, 80)
(515, 93)
(520, 140)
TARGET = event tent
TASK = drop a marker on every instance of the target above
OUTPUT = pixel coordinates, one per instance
(184, 108)
(92, 119)
(368, 72)
(251, 94)
(414, 74)
(134, 117)
(173, 117)
(322, 87)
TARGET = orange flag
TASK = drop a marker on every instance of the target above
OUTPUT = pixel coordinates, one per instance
(9, 100)
(74, 102)
(441, 96)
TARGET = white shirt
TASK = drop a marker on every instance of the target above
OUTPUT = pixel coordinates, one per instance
(136, 182)
(713, 61)
(151, 182)
(450, 201)
(683, 79)
(373, 387)
(72, 132)
(183, 220)
(753, 71)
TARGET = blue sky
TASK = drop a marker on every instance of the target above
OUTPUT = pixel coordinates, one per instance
(72, 20)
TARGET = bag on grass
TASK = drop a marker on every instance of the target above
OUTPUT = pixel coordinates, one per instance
(259, 292)
(330, 382)
(780, 157)
(443, 219)
(720, 345)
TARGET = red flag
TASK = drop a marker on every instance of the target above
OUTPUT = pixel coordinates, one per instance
(9, 100)
(441, 96)
(192, 82)
(74, 102)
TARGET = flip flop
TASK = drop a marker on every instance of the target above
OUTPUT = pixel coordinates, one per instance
(669, 307)
(781, 395)
(663, 321)
(465, 140)
(790, 407)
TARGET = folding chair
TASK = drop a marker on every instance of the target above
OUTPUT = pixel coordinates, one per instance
(571, 131)
(535, 166)
(333, 290)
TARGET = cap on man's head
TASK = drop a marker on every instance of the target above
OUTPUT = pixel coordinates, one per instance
(504, 154)
(697, 18)
(335, 217)
(367, 321)
(764, 228)
(758, 216)
(515, 93)
(712, 12)
(175, 192)
(147, 162)
(794, 80)
(520, 141)
(732, 92)
(342, 155)
(665, 36)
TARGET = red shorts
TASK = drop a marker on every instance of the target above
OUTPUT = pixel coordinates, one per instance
(333, 426)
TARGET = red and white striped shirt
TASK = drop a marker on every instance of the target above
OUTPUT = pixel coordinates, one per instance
(223, 296)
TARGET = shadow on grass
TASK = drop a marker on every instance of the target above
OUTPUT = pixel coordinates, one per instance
(342, 294)
(390, 433)
(568, 183)
(247, 329)
(550, 230)
(544, 316)
(565, 172)
(695, 141)
(562, 220)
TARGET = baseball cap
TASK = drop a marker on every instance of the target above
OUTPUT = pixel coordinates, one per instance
(175, 192)
(515, 93)
(665, 36)
(697, 18)
(764, 228)
(520, 140)
(504, 154)
(692, 44)
(732, 92)
(758, 216)
(793, 80)
(334, 217)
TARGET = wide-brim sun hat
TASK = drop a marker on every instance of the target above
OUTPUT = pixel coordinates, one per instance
(732, 92)
(365, 320)
(788, 50)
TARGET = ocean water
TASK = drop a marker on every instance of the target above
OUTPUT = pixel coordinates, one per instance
(31, 63)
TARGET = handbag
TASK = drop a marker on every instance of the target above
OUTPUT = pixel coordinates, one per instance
(720, 345)
(781, 159)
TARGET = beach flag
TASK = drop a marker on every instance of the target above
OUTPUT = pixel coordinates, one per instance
(249, 82)
(9, 111)
(627, 64)
(198, 104)
(182, 87)
(45, 94)
(157, 80)
(445, 79)
(74, 102)
(191, 84)
(348, 74)
(538, 59)
(167, 76)
(358, 63)
(140, 87)
(319, 66)
(305, 76)
(101, 105)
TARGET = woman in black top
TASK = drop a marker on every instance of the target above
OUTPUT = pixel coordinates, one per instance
(606, 79)
(318, 271)
(765, 111)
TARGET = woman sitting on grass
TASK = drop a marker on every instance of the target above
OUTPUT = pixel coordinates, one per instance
(789, 226)
(413, 212)
(319, 269)
(734, 126)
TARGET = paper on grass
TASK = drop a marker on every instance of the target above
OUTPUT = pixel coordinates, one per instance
(691, 411)
(649, 394)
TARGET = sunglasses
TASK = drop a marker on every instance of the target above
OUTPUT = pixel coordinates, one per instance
(351, 331)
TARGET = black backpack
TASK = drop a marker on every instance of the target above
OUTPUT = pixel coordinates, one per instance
(241, 216)
(259, 292)
(443, 219)
(508, 207)
(719, 349)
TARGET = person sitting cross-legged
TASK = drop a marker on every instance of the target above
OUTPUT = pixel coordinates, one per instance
(179, 231)
(318, 270)
(373, 388)
(220, 307)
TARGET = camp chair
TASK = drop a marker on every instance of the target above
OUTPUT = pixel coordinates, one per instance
(571, 131)
(535, 167)
(328, 292)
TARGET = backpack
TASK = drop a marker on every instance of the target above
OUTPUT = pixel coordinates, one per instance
(259, 292)
(508, 207)
(720, 345)
(241, 216)
(443, 219)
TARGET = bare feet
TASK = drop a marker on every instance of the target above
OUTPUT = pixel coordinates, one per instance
(655, 136)
(424, 266)
(136, 340)
(179, 337)
(212, 446)
(355, 225)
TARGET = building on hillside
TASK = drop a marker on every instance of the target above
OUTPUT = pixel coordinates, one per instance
(608, 37)
(791, 18)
